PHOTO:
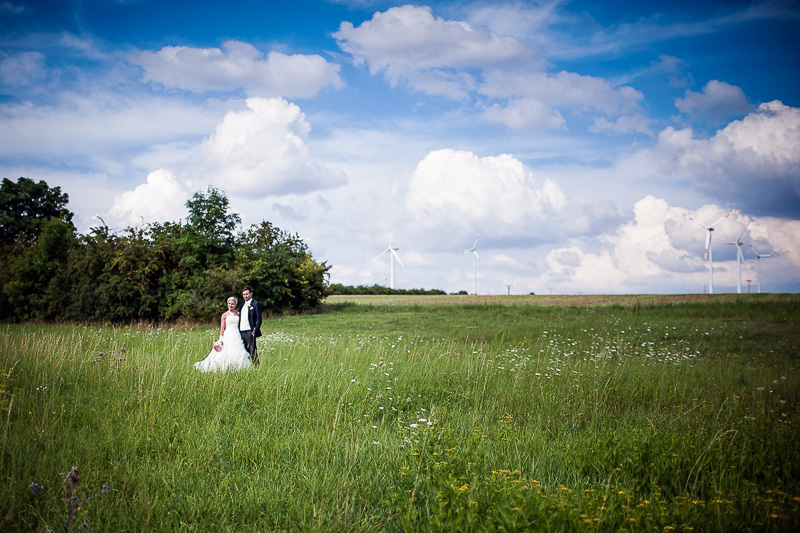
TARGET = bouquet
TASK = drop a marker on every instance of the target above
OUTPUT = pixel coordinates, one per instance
(218, 346)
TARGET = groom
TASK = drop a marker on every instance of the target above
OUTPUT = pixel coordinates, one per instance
(250, 323)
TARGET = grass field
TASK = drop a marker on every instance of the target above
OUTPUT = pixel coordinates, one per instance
(535, 413)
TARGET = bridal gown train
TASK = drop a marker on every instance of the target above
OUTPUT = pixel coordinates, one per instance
(232, 356)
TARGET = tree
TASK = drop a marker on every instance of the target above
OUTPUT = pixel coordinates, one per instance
(25, 209)
(26, 205)
(31, 287)
(208, 238)
(279, 268)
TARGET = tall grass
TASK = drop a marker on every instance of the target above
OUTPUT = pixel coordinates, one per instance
(468, 417)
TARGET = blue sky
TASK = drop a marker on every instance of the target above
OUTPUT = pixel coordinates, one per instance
(583, 141)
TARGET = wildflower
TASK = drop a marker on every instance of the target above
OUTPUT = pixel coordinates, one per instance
(35, 487)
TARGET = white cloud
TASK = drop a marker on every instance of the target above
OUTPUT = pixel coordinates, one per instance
(624, 125)
(563, 88)
(239, 65)
(262, 151)
(253, 153)
(661, 250)
(753, 163)
(526, 115)
(495, 194)
(717, 102)
(90, 126)
(161, 199)
(405, 41)
(518, 19)
(23, 69)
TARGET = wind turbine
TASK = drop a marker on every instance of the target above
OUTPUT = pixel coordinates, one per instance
(758, 258)
(708, 254)
(739, 258)
(477, 258)
(392, 251)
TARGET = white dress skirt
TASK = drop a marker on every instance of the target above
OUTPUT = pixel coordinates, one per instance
(232, 356)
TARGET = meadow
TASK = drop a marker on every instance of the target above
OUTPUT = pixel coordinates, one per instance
(432, 414)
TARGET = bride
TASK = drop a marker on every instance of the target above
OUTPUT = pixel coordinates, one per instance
(231, 354)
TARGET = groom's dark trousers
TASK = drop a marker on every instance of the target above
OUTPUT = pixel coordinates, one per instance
(249, 336)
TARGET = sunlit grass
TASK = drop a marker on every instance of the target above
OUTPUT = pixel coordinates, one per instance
(415, 417)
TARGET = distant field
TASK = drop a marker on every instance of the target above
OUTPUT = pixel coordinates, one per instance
(440, 413)
(554, 300)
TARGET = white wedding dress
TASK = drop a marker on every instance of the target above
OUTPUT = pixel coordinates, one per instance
(232, 356)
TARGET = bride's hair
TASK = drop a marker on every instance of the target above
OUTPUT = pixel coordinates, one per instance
(235, 301)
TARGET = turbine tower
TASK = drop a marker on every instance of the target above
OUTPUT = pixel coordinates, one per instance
(758, 259)
(477, 258)
(708, 253)
(392, 251)
(739, 259)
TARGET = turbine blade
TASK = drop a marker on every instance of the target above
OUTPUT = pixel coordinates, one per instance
(394, 253)
(696, 222)
(382, 253)
(723, 218)
(708, 244)
(739, 240)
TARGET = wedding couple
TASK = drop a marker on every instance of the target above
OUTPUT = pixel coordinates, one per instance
(236, 348)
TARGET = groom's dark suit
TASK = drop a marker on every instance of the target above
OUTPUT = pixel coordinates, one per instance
(249, 335)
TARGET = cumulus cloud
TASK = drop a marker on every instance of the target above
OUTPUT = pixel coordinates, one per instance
(461, 188)
(262, 151)
(661, 250)
(238, 65)
(253, 153)
(753, 163)
(716, 103)
(407, 40)
(161, 198)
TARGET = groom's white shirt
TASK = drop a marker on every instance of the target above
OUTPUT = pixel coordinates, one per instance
(244, 322)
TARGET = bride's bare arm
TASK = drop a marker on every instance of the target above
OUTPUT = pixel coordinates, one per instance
(222, 325)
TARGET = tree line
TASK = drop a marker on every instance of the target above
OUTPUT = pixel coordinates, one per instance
(338, 288)
(158, 271)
